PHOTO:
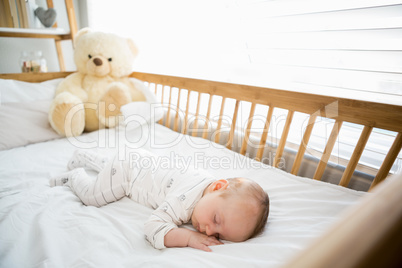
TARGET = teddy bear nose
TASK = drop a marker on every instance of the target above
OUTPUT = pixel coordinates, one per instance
(98, 61)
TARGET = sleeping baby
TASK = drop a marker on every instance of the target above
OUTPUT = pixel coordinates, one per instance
(219, 209)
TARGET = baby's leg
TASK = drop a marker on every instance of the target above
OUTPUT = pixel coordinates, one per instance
(86, 158)
(62, 179)
(111, 184)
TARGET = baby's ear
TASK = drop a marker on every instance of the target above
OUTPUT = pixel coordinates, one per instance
(219, 185)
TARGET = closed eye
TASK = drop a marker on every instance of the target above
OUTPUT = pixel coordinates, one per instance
(216, 219)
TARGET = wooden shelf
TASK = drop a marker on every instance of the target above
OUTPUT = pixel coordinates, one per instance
(52, 33)
(57, 34)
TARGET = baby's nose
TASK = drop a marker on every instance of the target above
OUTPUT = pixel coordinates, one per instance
(208, 230)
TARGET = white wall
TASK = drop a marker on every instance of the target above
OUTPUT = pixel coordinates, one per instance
(11, 48)
(177, 37)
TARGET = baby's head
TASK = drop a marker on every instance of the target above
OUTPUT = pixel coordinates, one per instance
(234, 209)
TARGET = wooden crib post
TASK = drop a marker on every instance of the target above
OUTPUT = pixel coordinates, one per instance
(233, 126)
(176, 119)
(167, 123)
(184, 130)
(247, 131)
(303, 144)
(162, 97)
(205, 132)
(264, 135)
(354, 160)
(327, 151)
(388, 161)
(218, 128)
(195, 125)
(282, 142)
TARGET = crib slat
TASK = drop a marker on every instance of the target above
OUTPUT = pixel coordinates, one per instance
(303, 145)
(205, 132)
(162, 97)
(388, 161)
(176, 118)
(233, 126)
(167, 123)
(247, 131)
(184, 130)
(218, 128)
(327, 151)
(354, 160)
(264, 134)
(195, 125)
(281, 145)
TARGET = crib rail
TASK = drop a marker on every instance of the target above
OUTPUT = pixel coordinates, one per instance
(368, 114)
(368, 234)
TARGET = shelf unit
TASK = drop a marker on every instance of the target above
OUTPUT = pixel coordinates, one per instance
(54, 33)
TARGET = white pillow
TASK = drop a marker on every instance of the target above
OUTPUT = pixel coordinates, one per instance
(24, 111)
(138, 113)
(25, 123)
(18, 91)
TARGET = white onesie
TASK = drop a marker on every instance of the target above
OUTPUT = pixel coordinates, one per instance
(172, 193)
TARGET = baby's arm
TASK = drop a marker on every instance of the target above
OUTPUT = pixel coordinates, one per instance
(181, 237)
(162, 229)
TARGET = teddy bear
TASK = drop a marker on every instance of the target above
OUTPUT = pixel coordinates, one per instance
(90, 98)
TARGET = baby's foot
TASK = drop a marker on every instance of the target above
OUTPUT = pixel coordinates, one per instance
(64, 178)
(88, 159)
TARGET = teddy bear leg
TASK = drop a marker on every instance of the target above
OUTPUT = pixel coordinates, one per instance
(117, 95)
(67, 115)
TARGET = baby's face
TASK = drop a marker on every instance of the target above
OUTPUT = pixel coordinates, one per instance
(225, 218)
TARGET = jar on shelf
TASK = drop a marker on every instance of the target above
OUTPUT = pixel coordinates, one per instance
(25, 62)
(38, 62)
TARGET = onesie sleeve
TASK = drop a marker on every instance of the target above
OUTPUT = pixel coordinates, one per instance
(169, 215)
(178, 206)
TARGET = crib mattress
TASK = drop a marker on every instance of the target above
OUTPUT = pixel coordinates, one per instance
(49, 227)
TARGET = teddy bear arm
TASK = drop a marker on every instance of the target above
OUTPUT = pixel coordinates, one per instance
(136, 94)
(73, 84)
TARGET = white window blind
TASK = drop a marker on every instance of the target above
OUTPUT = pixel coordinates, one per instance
(341, 48)
(352, 47)
(344, 48)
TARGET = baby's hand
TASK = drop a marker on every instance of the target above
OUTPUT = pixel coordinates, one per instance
(202, 241)
(181, 237)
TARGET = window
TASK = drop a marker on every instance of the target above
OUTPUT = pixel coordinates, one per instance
(344, 48)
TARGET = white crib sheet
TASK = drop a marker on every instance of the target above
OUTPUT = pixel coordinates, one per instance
(49, 227)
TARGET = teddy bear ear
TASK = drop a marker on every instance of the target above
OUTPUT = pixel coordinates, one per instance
(81, 33)
(132, 47)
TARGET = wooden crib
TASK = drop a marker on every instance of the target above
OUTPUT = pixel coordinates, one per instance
(369, 114)
(379, 224)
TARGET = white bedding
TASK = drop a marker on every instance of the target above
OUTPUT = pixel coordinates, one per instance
(49, 227)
